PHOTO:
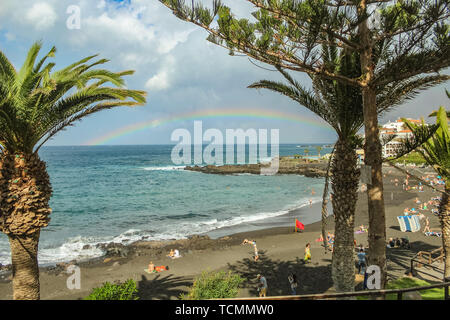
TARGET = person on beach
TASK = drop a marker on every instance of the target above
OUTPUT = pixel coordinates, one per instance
(362, 228)
(310, 202)
(307, 253)
(330, 240)
(293, 282)
(252, 242)
(151, 267)
(256, 252)
(427, 226)
(171, 253)
(262, 285)
(361, 261)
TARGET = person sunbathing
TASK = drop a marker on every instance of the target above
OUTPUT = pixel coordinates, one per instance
(171, 253)
(362, 228)
(151, 267)
(176, 254)
(391, 243)
(433, 234)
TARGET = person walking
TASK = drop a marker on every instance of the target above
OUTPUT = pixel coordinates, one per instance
(307, 253)
(361, 261)
(293, 282)
(262, 285)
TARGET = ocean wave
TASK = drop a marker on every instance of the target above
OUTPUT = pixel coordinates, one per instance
(83, 248)
(166, 168)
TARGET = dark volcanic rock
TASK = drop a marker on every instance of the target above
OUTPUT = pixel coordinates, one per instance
(286, 166)
(117, 250)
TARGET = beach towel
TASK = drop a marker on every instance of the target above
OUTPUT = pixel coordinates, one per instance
(154, 271)
(433, 234)
(157, 269)
(409, 223)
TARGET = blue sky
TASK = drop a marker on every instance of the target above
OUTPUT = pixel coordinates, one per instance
(174, 63)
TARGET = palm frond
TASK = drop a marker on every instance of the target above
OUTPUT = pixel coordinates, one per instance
(37, 102)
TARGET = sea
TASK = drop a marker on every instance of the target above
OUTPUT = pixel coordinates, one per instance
(123, 194)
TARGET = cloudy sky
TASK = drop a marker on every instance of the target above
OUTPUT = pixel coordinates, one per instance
(180, 70)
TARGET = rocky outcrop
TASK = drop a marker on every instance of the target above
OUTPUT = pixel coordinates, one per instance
(286, 166)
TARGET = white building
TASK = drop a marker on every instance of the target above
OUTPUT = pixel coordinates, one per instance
(400, 131)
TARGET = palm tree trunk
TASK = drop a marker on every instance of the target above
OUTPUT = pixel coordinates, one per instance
(345, 178)
(372, 150)
(25, 268)
(325, 202)
(24, 209)
(444, 217)
(375, 198)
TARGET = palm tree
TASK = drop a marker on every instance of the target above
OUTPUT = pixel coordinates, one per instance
(35, 104)
(341, 107)
(306, 152)
(436, 152)
(319, 149)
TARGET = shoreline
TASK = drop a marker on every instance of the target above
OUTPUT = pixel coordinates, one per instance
(285, 220)
(281, 250)
(301, 211)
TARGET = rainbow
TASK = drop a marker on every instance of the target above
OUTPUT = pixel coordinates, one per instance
(204, 114)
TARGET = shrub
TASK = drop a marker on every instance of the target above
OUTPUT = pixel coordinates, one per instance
(406, 282)
(413, 157)
(214, 286)
(115, 291)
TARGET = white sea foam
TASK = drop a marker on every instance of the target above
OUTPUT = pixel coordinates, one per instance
(76, 248)
(167, 168)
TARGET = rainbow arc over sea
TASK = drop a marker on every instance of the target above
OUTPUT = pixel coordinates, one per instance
(205, 114)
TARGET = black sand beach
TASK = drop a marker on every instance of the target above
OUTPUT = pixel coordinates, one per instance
(281, 251)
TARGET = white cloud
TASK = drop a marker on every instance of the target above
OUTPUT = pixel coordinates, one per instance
(170, 41)
(41, 15)
(101, 4)
(158, 82)
(161, 80)
(121, 27)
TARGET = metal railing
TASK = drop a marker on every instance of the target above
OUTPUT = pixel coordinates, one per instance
(371, 293)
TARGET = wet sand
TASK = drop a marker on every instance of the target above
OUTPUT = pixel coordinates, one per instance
(281, 251)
